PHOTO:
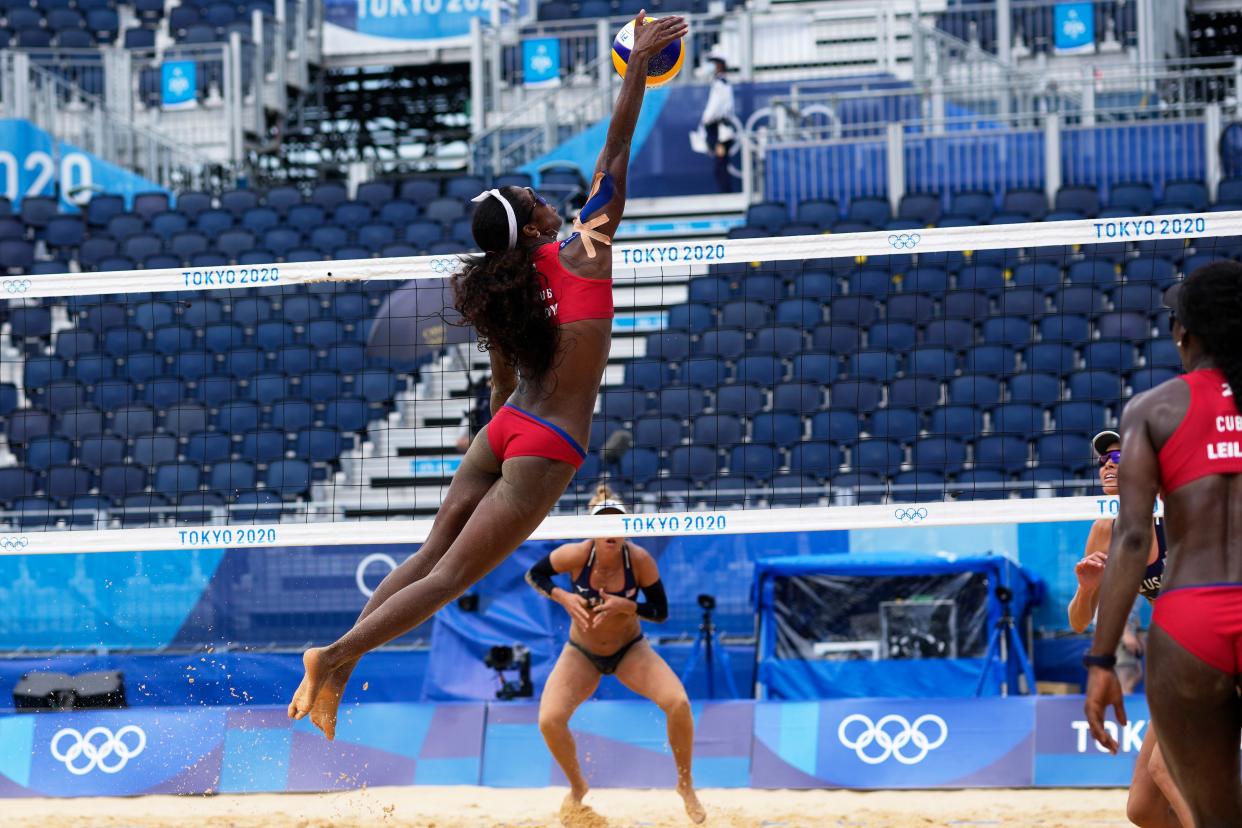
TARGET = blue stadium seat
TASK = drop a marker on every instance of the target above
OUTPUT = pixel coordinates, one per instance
(877, 365)
(16, 483)
(37, 211)
(1140, 298)
(1033, 204)
(776, 428)
(704, 372)
(1082, 200)
(817, 459)
(711, 289)
(102, 208)
(99, 450)
(208, 447)
(324, 332)
(974, 389)
(781, 340)
(852, 310)
(817, 368)
(172, 479)
(691, 317)
(329, 195)
(922, 207)
(345, 357)
(964, 421)
(191, 365)
(622, 404)
(705, 430)
(1080, 416)
(964, 305)
(238, 202)
(745, 314)
(1066, 450)
(1147, 378)
(268, 388)
(290, 478)
(912, 308)
(877, 456)
(673, 347)
(1005, 453)
(118, 482)
(30, 322)
(1135, 327)
(8, 398)
(767, 288)
(836, 425)
(814, 284)
(76, 423)
(894, 424)
(376, 194)
(752, 460)
(111, 394)
(1102, 386)
(1162, 353)
(47, 451)
(797, 397)
(34, 512)
(192, 204)
(189, 246)
(1014, 331)
(444, 210)
(1135, 198)
(304, 218)
(1017, 418)
(397, 213)
(141, 366)
(915, 393)
(184, 418)
(1050, 358)
(1067, 328)
(979, 206)
(65, 232)
(931, 362)
(822, 215)
(871, 211)
(348, 414)
(1113, 355)
(768, 215)
(41, 370)
(988, 278)
(894, 336)
(162, 392)
(119, 342)
(262, 445)
(293, 359)
(681, 401)
(939, 454)
(957, 334)
(212, 223)
(351, 215)
(1033, 388)
(231, 478)
(167, 225)
(261, 506)
(245, 361)
(759, 369)
(318, 444)
(743, 400)
(419, 191)
(1092, 272)
(1043, 275)
(836, 339)
(236, 416)
(639, 465)
(662, 433)
(854, 395)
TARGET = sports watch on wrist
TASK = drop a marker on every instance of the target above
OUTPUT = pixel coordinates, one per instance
(1108, 662)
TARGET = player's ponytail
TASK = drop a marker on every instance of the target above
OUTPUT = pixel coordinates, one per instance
(603, 492)
(1210, 307)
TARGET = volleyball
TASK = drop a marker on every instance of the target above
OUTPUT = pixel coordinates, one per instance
(661, 68)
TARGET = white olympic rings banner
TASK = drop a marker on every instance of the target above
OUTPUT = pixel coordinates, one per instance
(98, 748)
(892, 736)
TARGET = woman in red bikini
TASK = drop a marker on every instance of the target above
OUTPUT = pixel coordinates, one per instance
(1183, 439)
(543, 311)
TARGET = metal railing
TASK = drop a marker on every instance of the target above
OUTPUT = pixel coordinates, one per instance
(53, 95)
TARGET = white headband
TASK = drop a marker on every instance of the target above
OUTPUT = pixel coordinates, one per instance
(485, 195)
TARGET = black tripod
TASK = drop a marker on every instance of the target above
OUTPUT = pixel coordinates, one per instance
(706, 646)
(1005, 638)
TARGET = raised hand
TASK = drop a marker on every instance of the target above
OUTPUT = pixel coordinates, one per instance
(651, 37)
(1090, 570)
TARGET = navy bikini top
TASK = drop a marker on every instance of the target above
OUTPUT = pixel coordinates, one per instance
(1149, 588)
(582, 584)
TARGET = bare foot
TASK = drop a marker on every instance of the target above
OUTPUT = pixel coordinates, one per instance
(327, 703)
(304, 699)
(694, 809)
(576, 815)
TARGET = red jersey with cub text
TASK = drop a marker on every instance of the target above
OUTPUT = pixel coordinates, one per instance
(569, 297)
(1209, 439)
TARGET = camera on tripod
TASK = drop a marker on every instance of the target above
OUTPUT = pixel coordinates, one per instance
(503, 659)
(707, 602)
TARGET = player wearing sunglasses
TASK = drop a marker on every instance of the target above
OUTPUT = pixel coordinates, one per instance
(1154, 799)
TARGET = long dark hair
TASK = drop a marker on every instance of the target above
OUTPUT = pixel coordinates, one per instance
(1210, 307)
(501, 294)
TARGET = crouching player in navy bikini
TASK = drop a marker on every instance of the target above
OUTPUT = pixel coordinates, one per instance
(543, 311)
(606, 639)
(1184, 439)
(1154, 801)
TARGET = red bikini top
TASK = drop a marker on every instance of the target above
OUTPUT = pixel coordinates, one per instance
(569, 297)
(1209, 438)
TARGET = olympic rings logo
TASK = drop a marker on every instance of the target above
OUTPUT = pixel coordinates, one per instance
(16, 285)
(891, 736)
(96, 748)
(14, 542)
(904, 241)
(443, 265)
(912, 515)
(360, 573)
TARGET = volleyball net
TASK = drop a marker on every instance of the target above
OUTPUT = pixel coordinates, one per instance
(868, 379)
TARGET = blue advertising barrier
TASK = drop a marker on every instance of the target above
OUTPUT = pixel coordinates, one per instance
(894, 743)
(855, 743)
(32, 163)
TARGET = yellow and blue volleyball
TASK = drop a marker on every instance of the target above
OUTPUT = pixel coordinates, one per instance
(661, 68)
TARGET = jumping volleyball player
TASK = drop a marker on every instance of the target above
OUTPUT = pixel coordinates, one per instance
(1154, 801)
(605, 639)
(1184, 439)
(543, 311)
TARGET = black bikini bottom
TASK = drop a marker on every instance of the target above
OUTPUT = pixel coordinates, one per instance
(606, 664)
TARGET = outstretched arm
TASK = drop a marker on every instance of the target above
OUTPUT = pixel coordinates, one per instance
(601, 215)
